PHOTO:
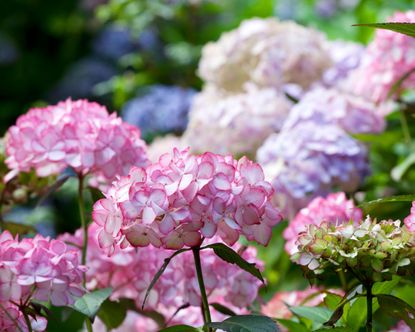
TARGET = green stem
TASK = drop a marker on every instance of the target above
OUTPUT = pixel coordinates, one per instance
(205, 303)
(83, 221)
(84, 225)
(405, 127)
(369, 300)
(343, 280)
(88, 325)
(27, 320)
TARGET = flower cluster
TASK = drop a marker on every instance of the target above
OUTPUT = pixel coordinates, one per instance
(346, 56)
(329, 8)
(129, 272)
(12, 319)
(387, 59)
(401, 327)
(36, 269)
(255, 113)
(409, 221)
(309, 160)
(373, 250)
(335, 208)
(77, 134)
(350, 112)
(266, 52)
(161, 109)
(182, 198)
(40, 269)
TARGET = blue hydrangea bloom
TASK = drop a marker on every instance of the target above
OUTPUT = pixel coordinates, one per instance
(161, 109)
(81, 78)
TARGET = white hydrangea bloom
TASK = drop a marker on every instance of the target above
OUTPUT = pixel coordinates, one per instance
(266, 52)
(235, 123)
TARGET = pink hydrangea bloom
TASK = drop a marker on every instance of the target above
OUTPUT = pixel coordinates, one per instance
(129, 272)
(334, 208)
(410, 220)
(388, 58)
(12, 320)
(182, 198)
(77, 134)
(48, 265)
(401, 327)
(40, 269)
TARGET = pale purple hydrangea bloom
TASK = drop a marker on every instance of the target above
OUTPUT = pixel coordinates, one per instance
(346, 57)
(162, 109)
(329, 8)
(352, 113)
(309, 160)
(235, 123)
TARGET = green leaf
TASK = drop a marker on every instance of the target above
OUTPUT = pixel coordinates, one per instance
(90, 303)
(293, 326)
(246, 323)
(395, 307)
(357, 314)
(64, 319)
(231, 256)
(154, 315)
(112, 314)
(338, 329)
(180, 328)
(96, 194)
(386, 287)
(222, 309)
(401, 27)
(160, 272)
(315, 314)
(332, 300)
(375, 204)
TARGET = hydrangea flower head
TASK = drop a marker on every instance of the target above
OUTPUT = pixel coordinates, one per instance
(129, 272)
(334, 208)
(77, 134)
(266, 52)
(12, 319)
(253, 114)
(182, 198)
(410, 219)
(37, 269)
(162, 109)
(350, 112)
(346, 56)
(309, 160)
(387, 59)
(375, 251)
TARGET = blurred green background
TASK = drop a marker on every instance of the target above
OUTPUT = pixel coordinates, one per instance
(106, 50)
